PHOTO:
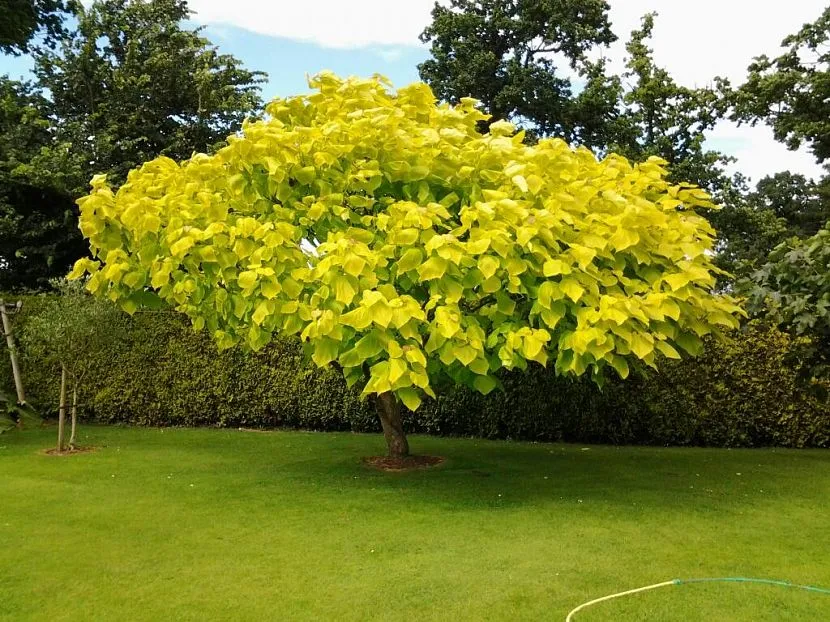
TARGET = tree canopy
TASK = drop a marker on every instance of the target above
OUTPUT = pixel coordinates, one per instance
(793, 290)
(129, 83)
(517, 58)
(409, 249)
(24, 19)
(38, 236)
(121, 84)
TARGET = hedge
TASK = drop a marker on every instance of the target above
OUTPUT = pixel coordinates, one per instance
(743, 393)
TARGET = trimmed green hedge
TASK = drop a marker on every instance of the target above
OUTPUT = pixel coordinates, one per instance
(744, 393)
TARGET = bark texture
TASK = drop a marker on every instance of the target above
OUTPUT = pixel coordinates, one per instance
(62, 410)
(389, 412)
(74, 415)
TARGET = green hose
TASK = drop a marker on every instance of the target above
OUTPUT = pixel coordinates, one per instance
(809, 588)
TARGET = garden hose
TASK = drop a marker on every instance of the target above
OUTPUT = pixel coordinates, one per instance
(809, 588)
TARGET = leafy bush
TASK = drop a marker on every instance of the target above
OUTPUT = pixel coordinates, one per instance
(743, 392)
(793, 290)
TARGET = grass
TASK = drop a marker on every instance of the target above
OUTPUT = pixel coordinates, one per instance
(183, 524)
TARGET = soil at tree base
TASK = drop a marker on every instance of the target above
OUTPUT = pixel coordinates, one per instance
(408, 463)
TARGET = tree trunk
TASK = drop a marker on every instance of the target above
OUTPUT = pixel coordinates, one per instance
(62, 409)
(74, 415)
(389, 412)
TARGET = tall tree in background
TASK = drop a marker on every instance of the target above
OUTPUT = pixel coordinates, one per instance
(518, 58)
(22, 20)
(782, 206)
(39, 237)
(662, 118)
(129, 84)
(791, 93)
(124, 84)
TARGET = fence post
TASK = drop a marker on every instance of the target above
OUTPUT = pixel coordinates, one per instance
(7, 331)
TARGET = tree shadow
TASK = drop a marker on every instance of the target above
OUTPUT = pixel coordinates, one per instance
(488, 474)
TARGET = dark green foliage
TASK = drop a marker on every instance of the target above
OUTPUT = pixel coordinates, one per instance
(514, 57)
(782, 206)
(39, 237)
(792, 290)
(743, 393)
(802, 204)
(129, 84)
(23, 19)
(14, 415)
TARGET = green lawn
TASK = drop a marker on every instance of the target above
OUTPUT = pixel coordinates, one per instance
(182, 524)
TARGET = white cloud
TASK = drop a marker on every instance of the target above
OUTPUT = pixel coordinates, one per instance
(705, 38)
(329, 23)
(758, 153)
(390, 54)
(695, 41)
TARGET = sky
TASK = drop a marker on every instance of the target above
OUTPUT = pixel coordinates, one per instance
(695, 40)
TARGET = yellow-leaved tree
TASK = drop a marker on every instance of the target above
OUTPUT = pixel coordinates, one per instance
(406, 248)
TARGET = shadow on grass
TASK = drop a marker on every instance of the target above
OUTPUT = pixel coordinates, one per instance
(502, 475)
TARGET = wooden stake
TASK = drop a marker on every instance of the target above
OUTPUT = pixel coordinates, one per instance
(62, 409)
(74, 414)
(7, 330)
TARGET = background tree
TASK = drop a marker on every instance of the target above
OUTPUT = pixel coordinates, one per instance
(73, 332)
(124, 84)
(129, 83)
(791, 92)
(793, 290)
(659, 117)
(517, 58)
(38, 235)
(410, 250)
(24, 19)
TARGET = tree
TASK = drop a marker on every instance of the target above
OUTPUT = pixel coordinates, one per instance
(38, 236)
(410, 250)
(791, 93)
(74, 331)
(659, 117)
(124, 85)
(24, 19)
(782, 206)
(516, 57)
(793, 291)
(803, 204)
(128, 83)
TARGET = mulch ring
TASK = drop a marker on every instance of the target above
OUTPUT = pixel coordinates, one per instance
(409, 463)
(67, 451)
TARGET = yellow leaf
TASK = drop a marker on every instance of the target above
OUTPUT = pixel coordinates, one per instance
(354, 265)
(343, 289)
(572, 289)
(397, 368)
(521, 182)
(409, 260)
(260, 313)
(667, 350)
(247, 279)
(409, 397)
(433, 268)
(488, 266)
(554, 267)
